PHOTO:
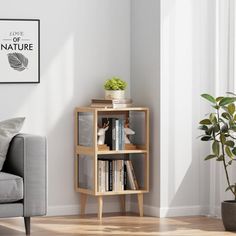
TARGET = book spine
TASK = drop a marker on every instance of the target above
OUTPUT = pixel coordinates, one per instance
(113, 134)
(130, 178)
(122, 175)
(103, 178)
(114, 176)
(107, 175)
(117, 135)
(122, 134)
(99, 176)
(134, 176)
(125, 177)
(119, 177)
(110, 175)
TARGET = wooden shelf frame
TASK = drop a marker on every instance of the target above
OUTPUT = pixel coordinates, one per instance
(94, 153)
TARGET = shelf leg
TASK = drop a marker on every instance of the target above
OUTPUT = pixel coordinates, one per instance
(83, 201)
(140, 203)
(100, 205)
(122, 203)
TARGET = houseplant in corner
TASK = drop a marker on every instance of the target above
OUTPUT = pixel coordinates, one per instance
(219, 128)
(115, 88)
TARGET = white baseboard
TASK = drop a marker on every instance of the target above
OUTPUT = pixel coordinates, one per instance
(91, 208)
(215, 212)
(133, 207)
(172, 211)
(184, 211)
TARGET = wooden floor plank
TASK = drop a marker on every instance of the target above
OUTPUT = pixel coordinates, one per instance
(113, 224)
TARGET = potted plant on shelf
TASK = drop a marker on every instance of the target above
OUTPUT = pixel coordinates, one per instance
(220, 129)
(115, 88)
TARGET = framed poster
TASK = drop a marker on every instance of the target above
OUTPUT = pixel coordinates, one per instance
(19, 51)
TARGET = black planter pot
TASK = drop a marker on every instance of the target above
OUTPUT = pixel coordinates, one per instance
(228, 213)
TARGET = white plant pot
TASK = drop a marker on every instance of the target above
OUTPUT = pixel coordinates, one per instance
(114, 94)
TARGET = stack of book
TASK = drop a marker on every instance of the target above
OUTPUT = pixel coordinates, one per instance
(116, 175)
(111, 103)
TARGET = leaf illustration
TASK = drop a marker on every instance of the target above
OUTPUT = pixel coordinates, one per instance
(17, 61)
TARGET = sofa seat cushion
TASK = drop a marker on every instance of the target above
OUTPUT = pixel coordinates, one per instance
(11, 188)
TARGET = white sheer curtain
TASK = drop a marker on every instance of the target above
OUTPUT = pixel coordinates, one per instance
(225, 71)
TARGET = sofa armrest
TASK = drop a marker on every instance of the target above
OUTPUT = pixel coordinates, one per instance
(27, 157)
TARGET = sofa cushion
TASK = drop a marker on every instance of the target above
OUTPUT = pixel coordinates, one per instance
(8, 129)
(11, 188)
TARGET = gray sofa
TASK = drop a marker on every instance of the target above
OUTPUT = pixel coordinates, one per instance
(23, 180)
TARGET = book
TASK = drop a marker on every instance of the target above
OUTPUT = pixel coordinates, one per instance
(99, 176)
(103, 177)
(115, 134)
(104, 105)
(110, 175)
(112, 101)
(106, 175)
(114, 176)
(131, 175)
(119, 177)
(125, 177)
(121, 134)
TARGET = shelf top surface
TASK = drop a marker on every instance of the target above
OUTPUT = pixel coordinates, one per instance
(83, 109)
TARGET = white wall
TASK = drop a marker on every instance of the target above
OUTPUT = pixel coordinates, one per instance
(145, 85)
(172, 64)
(187, 70)
(82, 43)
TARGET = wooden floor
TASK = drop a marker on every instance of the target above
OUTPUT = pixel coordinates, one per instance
(116, 225)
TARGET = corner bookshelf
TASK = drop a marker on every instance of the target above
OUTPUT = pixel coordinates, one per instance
(87, 153)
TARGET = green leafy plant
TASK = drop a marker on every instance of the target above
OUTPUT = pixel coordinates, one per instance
(115, 83)
(220, 129)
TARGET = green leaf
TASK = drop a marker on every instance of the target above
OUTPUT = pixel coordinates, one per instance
(227, 100)
(229, 143)
(205, 122)
(206, 138)
(228, 188)
(209, 157)
(221, 158)
(216, 128)
(216, 107)
(224, 128)
(226, 115)
(222, 138)
(231, 108)
(235, 117)
(219, 99)
(212, 118)
(209, 98)
(216, 148)
(228, 152)
(203, 127)
(209, 131)
(234, 151)
(231, 93)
